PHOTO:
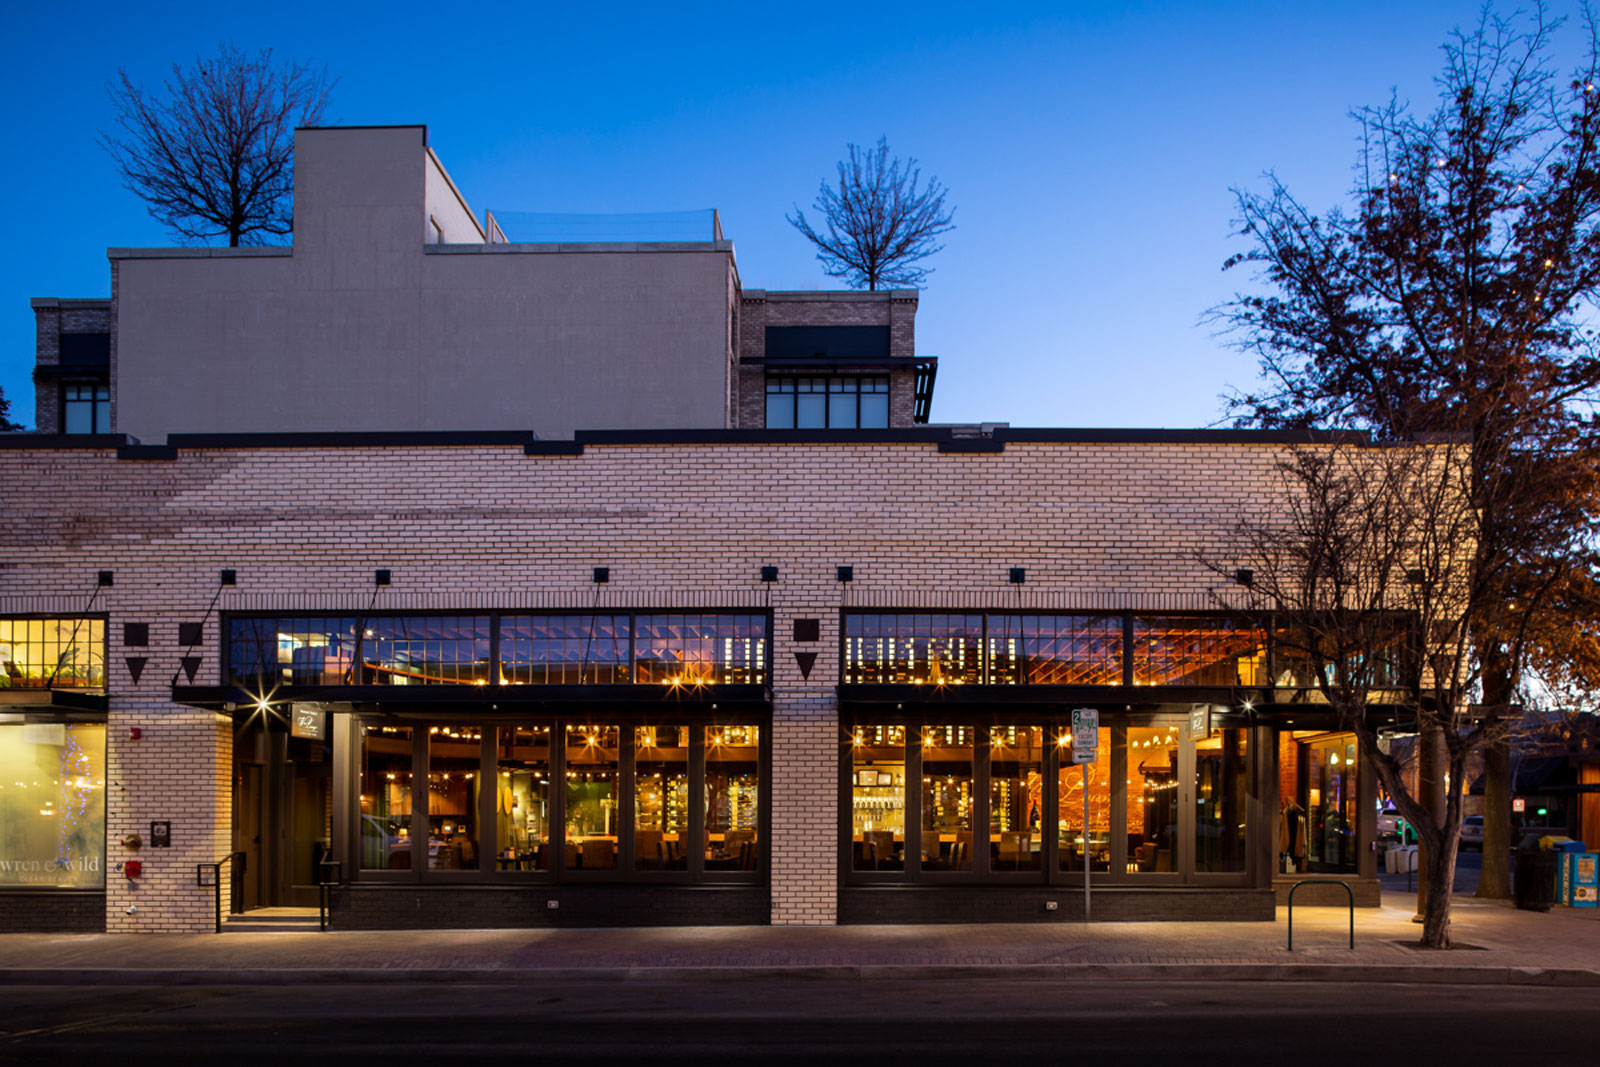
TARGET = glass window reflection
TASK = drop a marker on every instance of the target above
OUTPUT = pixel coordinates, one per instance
(733, 798)
(878, 797)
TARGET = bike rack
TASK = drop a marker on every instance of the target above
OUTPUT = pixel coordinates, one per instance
(1323, 881)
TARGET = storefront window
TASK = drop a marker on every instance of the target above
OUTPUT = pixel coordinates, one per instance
(592, 792)
(947, 798)
(1198, 651)
(1074, 843)
(1016, 797)
(1317, 825)
(522, 804)
(661, 798)
(52, 653)
(52, 805)
(878, 797)
(1221, 788)
(564, 649)
(1152, 798)
(454, 762)
(385, 798)
(733, 798)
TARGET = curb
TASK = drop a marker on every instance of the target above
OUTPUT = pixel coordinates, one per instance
(1049, 972)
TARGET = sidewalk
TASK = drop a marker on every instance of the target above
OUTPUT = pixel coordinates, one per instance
(1497, 945)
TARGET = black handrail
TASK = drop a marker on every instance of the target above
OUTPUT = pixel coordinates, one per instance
(1323, 881)
(324, 884)
(200, 870)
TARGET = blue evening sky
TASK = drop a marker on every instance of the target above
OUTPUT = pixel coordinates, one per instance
(1089, 149)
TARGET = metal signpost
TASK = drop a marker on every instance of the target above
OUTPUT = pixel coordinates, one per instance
(1085, 750)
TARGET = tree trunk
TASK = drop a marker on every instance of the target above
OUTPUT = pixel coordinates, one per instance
(1431, 765)
(1495, 882)
(1440, 871)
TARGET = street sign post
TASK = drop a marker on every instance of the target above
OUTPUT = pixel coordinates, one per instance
(1085, 750)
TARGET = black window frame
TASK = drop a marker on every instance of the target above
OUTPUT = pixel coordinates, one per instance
(496, 663)
(827, 392)
(98, 405)
(1055, 724)
(555, 871)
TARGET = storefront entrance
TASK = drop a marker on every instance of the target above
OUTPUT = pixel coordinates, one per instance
(282, 794)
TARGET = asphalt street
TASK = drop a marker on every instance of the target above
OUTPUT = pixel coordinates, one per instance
(803, 1021)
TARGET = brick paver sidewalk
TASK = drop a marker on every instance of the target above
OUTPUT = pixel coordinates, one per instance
(1498, 944)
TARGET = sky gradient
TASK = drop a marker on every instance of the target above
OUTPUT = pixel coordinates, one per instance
(1089, 151)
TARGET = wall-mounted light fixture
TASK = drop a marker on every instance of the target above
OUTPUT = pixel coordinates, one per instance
(845, 574)
(380, 576)
(1019, 575)
(230, 576)
(1244, 576)
(103, 578)
(769, 574)
(602, 575)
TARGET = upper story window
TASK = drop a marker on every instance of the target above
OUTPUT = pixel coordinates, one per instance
(86, 408)
(816, 403)
(558, 649)
(52, 653)
(1006, 649)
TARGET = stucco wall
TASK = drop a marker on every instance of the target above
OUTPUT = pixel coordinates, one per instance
(363, 326)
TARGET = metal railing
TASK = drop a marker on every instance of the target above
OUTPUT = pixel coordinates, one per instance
(200, 869)
(1323, 881)
(332, 874)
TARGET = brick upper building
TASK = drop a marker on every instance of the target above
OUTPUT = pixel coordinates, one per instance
(803, 662)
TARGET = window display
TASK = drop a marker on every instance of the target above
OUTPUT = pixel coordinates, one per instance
(52, 805)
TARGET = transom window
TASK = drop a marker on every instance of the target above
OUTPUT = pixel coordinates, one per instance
(1088, 650)
(815, 403)
(602, 649)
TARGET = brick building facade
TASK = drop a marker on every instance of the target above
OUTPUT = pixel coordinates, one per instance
(1016, 566)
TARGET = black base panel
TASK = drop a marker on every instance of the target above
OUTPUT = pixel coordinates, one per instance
(63, 912)
(1012, 904)
(500, 907)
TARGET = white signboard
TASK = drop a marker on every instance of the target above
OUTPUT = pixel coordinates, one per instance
(1085, 735)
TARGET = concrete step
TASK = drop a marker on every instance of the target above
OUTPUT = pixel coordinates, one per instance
(272, 920)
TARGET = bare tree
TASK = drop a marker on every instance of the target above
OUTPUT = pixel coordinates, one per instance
(878, 224)
(212, 152)
(1458, 296)
(1370, 576)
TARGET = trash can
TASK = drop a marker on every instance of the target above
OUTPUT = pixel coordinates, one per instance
(1535, 882)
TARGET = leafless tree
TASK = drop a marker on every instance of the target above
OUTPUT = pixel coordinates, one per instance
(1458, 295)
(1370, 573)
(212, 152)
(877, 224)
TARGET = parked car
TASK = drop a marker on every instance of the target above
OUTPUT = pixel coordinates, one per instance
(1472, 832)
(1389, 823)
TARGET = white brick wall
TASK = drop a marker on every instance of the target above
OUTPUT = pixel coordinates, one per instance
(1096, 525)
